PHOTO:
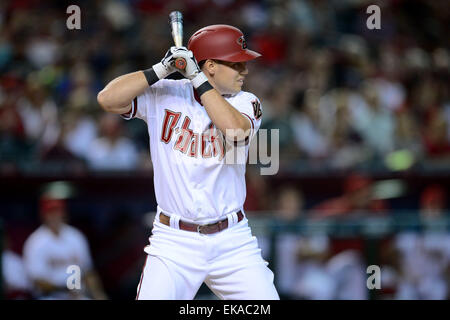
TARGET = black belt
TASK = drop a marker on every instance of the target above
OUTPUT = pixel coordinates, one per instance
(200, 228)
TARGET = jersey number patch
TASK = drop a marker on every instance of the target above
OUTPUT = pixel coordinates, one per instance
(257, 109)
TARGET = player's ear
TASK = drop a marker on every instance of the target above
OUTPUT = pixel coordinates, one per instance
(210, 66)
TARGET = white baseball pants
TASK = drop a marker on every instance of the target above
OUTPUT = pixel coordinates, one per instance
(229, 262)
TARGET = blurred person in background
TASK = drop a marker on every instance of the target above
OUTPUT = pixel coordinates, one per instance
(288, 210)
(80, 116)
(39, 114)
(312, 281)
(322, 274)
(59, 157)
(111, 150)
(307, 125)
(435, 137)
(306, 267)
(257, 187)
(374, 123)
(357, 198)
(407, 134)
(290, 203)
(16, 284)
(279, 104)
(348, 270)
(79, 130)
(272, 42)
(51, 249)
(346, 145)
(14, 145)
(424, 256)
(433, 202)
(318, 67)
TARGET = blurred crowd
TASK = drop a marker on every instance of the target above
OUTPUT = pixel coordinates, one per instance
(342, 96)
(318, 252)
(52, 253)
(314, 263)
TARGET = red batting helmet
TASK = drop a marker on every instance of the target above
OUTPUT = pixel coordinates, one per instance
(221, 42)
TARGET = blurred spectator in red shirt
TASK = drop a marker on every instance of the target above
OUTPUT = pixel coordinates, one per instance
(14, 146)
(11, 123)
(272, 44)
(435, 135)
(258, 198)
(433, 202)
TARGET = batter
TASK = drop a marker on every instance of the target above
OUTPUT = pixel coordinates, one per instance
(200, 232)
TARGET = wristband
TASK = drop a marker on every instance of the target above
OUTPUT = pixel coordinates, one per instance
(201, 84)
(205, 86)
(151, 76)
(199, 79)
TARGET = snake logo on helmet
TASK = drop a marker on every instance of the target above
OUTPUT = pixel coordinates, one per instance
(220, 42)
(242, 42)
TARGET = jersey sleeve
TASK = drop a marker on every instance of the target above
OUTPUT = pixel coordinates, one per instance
(143, 106)
(250, 107)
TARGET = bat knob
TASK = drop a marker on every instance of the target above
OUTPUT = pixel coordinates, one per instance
(180, 63)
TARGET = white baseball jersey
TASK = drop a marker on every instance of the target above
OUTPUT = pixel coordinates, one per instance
(47, 256)
(192, 176)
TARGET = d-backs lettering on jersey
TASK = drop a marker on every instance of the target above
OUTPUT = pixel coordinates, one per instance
(206, 144)
(191, 176)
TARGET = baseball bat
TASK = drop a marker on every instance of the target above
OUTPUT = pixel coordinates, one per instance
(176, 24)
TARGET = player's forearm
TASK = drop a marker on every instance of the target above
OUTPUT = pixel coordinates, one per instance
(116, 97)
(226, 118)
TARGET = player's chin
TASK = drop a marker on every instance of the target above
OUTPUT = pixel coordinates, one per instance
(238, 86)
(233, 90)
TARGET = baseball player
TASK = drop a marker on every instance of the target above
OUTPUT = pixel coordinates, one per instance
(51, 249)
(200, 233)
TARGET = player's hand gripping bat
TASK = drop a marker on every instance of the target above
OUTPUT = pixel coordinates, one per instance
(176, 24)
